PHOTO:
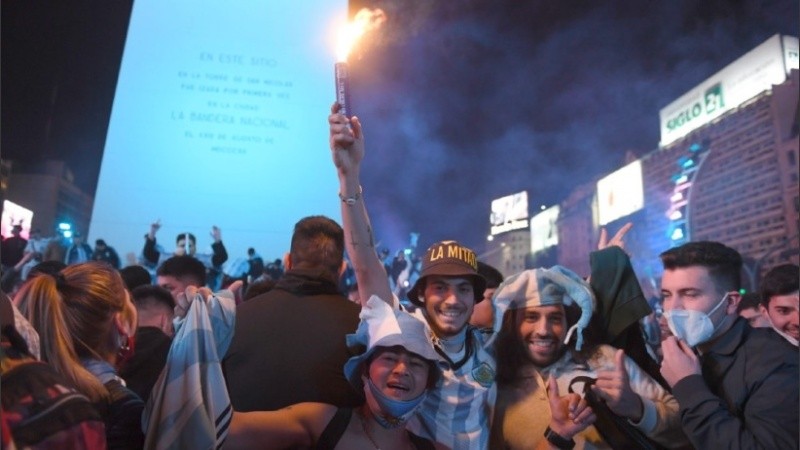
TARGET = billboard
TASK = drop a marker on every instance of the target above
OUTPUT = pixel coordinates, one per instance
(13, 214)
(755, 72)
(509, 213)
(544, 231)
(620, 193)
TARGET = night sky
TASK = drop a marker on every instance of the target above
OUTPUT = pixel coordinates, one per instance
(462, 101)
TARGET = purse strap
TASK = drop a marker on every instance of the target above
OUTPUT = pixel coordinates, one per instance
(616, 431)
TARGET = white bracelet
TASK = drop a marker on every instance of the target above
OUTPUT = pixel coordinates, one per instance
(350, 201)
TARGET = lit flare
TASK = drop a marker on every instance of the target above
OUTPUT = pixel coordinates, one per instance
(365, 20)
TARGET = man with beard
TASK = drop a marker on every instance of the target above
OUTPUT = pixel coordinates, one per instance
(741, 390)
(548, 308)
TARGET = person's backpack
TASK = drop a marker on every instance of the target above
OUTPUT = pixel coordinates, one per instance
(41, 410)
(39, 407)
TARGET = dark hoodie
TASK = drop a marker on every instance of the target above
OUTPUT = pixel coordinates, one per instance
(142, 370)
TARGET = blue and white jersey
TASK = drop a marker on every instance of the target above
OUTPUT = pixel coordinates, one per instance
(458, 411)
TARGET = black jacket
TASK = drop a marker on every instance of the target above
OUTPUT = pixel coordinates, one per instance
(747, 394)
(289, 345)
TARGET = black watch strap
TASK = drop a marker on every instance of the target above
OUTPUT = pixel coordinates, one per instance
(558, 440)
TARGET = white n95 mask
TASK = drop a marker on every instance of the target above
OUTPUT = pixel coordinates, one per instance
(693, 327)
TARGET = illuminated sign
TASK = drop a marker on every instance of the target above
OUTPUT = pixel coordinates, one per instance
(711, 102)
(510, 226)
(620, 193)
(544, 232)
(509, 208)
(755, 72)
(509, 213)
(13, 214)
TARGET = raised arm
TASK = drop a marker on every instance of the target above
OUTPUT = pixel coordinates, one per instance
(347, 150)
(149, 251)
(220, 255)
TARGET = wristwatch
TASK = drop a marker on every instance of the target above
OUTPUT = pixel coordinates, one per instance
(350, 201)
(559, 441)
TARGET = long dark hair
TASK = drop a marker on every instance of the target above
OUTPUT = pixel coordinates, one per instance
(512, 353)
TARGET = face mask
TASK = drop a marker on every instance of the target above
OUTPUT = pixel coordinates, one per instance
(693, 327)
(792, 340)
(391, 413)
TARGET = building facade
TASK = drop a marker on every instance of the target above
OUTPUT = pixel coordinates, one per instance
(744, 190)
(731, 176)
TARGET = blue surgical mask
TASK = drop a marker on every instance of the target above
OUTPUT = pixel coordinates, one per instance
(693, 327)
(393, 413)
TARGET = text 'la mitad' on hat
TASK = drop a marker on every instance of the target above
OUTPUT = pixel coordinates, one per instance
(448, 259)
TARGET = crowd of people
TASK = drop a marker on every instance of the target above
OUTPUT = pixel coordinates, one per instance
(377, 352)
(20, 255)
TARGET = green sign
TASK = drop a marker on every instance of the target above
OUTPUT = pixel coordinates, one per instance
(712, 102)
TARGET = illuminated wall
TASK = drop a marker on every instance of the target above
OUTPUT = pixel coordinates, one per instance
(219, 119)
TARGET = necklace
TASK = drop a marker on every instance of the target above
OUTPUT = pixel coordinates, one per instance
(366, 430)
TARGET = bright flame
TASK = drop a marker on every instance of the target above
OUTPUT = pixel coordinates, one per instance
(366, 20)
